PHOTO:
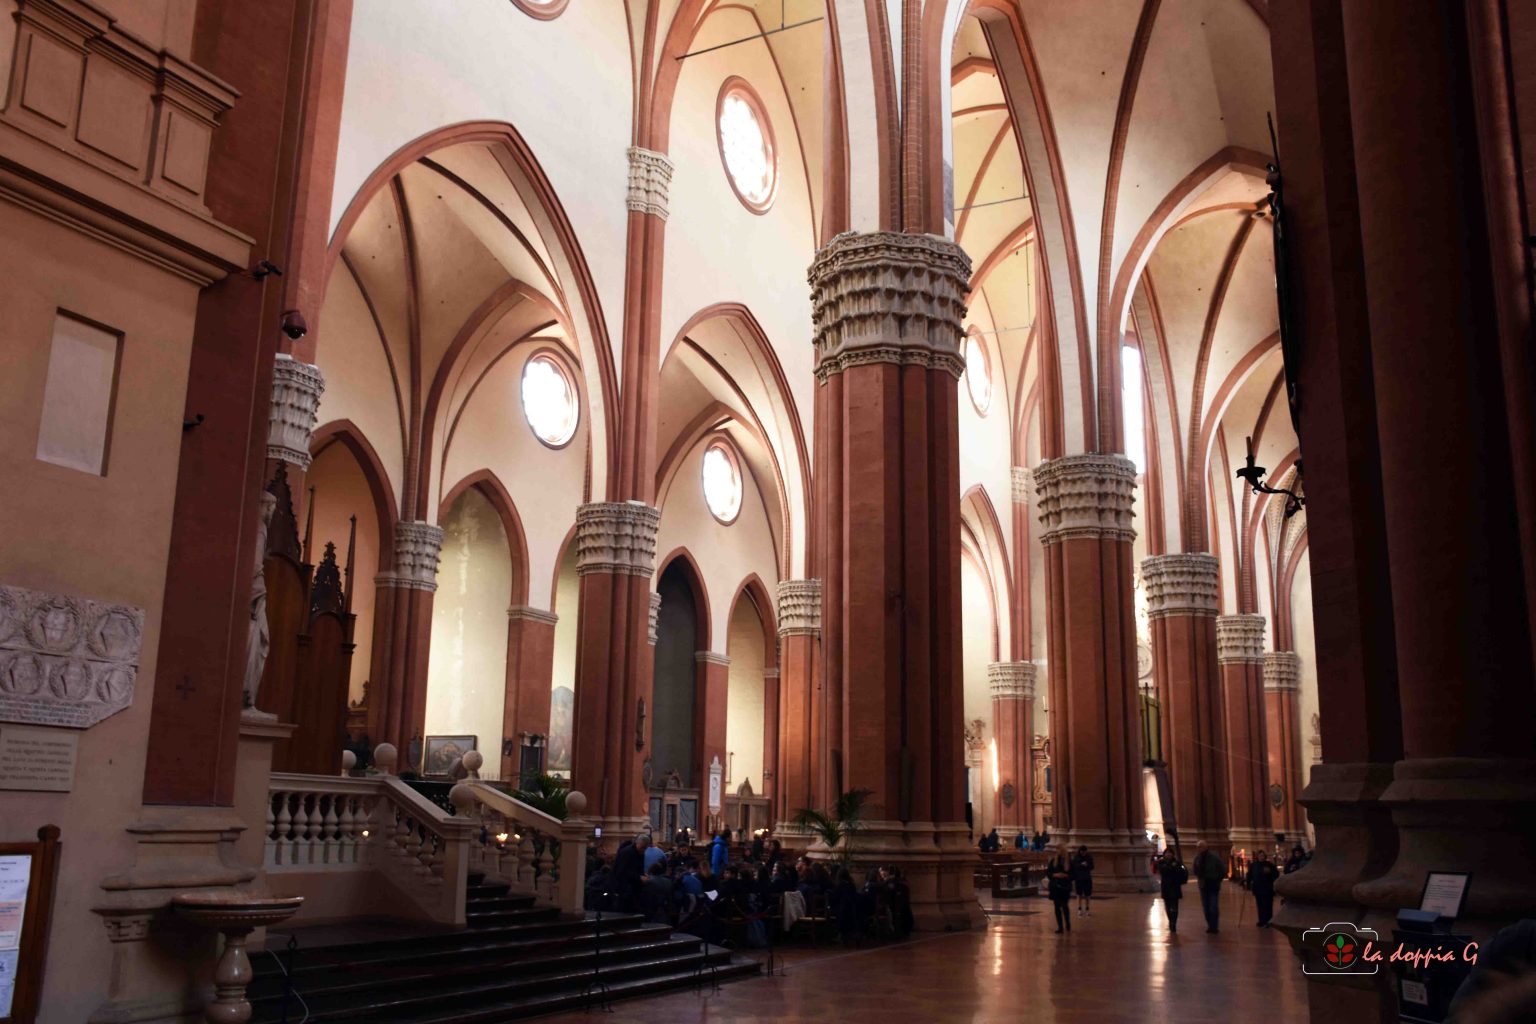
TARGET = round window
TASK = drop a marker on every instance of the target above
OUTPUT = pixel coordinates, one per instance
(746, 146)
(549, 400)
(978, 373)
(720, 475)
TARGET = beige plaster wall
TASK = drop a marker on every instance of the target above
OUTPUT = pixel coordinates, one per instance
(104, 537)
(744, 699)
(340, 492)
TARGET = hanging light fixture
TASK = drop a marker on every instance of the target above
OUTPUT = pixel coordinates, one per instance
(1253, 476)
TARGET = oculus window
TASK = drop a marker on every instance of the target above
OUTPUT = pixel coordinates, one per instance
(746, 146)
(549, 399)
(720, 474)
(978, 374)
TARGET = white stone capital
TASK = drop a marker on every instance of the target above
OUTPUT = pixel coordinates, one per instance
(1011, 680)
(711, 658)
(653, 618)
(1087, 496)
(1239, 638)
(1023, 481)
(528, 613)
(296, 391)
(1282, 671)
(617, 537)
(418, 549)
(650, 179)
(1182, 584)
(799, 607)
(888, 297)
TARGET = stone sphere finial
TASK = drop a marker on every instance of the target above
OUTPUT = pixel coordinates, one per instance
(462, 797)
(575, 803)
(348, 761)
(473, 760)
(384, 757)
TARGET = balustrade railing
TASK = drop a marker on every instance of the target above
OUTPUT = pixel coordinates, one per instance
(526, 848)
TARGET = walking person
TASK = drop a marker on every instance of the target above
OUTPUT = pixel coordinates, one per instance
(1210, 871)
(1082, 879)
(1058, 886)
(1172, 877)
(1261, 882)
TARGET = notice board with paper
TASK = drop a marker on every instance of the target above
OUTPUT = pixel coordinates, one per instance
(28, 872)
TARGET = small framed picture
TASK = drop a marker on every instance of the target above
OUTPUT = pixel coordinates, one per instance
(441, 751)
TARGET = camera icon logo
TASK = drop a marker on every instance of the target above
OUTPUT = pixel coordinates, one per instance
(1340, 947)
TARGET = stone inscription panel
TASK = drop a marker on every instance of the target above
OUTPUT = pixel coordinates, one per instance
(64, 660)
(37, 759)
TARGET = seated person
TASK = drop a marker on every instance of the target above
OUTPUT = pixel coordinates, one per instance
(599, 881)
(656, 895)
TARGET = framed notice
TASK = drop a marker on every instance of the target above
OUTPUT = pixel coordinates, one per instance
(27, 875)
(1445, 892)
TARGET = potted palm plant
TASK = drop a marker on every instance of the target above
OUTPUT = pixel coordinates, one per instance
(837, 829)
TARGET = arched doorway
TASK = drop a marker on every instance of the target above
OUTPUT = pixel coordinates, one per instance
(681, 632)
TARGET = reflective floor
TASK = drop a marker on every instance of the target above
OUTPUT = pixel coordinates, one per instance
(1119, 964)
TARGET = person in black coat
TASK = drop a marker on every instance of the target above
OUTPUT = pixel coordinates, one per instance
(1058, 886)
(629, 873)
(1082, 878)
(1210, 872)
(1261, 882)
(1297, 860)
(1172, 877)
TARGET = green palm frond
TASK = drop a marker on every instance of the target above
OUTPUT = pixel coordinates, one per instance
(826, 829)
(544, 793)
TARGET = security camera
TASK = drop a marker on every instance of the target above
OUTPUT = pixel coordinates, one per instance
(294, 325)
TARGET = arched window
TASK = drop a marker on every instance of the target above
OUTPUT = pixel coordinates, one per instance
(550, 401)
(544, 10)
(746, 145)
(978, 373)
(1133, 407)
(720, 474)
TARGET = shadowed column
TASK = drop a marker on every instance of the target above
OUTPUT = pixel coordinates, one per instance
(1240, 649)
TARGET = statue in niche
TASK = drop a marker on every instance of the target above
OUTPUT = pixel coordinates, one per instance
(259, 641)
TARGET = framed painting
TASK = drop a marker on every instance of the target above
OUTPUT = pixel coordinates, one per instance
(439, 752)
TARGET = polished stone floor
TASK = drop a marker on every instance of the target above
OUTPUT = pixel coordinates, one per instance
(1118, 965)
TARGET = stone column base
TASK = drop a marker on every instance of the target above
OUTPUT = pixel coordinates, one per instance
(616, 829)
(1250, 839)
(1122, 861)
(937, 861)
(1461, 814)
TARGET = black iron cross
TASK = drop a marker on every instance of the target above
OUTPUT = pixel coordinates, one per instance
(185, 687)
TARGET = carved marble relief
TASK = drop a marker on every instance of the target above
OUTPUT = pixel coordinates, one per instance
(66, 661)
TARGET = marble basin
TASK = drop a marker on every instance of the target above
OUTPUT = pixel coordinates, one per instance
(235, 910)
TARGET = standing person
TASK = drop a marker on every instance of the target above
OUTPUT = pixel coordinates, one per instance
(1296, 860)
(1082, 879)
(653, 855)
(1261, 882)
(1058, 886)
(719, 853)
(1172, 877)
(629, 873)
(1209, 873)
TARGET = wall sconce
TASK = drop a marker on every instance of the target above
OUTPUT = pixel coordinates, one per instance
(1253, 476)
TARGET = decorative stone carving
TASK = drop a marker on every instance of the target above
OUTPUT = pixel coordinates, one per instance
(1086, 497)
(654, 619)
(799, 607)
(418, 549)
(528, 613)
(66, 661)
(888, 297)
(617, 537)
(1240, 638)
(1282, 671)
(710, 658)
(296, 391)
(1187, 584)
(1023, 484)
(259, 636)
(1011, 680)
(975, 735)
(650, 178)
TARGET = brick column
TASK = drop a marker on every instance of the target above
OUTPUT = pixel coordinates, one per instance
(530, 664)
(709, 716)
(1182, 592)
(799, 614)
(615, 558)
(1013, 693)
(888, 308)
(1240, 648)
(1085, 515)
(397, 709)
(1282, 673)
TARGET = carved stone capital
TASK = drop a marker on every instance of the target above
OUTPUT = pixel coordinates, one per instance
(1011, 680)
(1239, 638)
(418, 549)
(650, 178)
(296, 391)
(711, 658)
(1023, 481)
(1282, 671)
(888, 297)
(1184, 584)
(528, 613)
(799, 607)
(1086, 496)
(617, 537)
(64, 660)
(654, 619)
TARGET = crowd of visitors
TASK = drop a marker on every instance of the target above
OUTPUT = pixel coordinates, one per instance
(740, 900)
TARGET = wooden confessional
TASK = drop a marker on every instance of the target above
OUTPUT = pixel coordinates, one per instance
(309, 666)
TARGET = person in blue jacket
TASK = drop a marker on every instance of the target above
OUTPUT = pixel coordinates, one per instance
(719, 854)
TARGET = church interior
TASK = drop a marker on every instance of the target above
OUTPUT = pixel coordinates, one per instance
(745, 509)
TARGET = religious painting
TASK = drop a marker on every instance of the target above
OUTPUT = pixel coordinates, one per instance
(442, 751)
(562, 720)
